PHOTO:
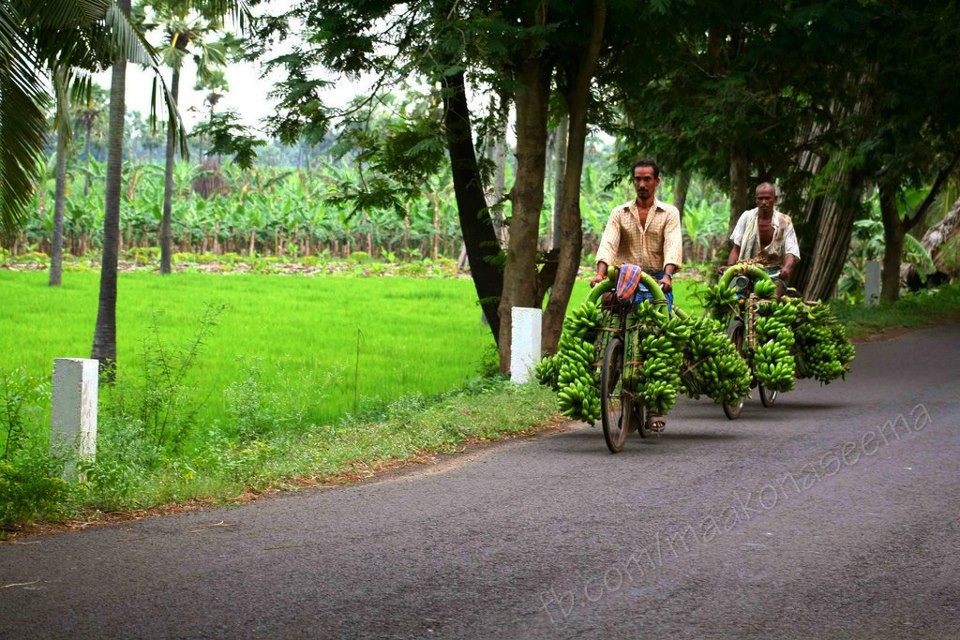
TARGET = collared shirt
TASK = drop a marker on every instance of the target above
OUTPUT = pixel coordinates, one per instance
(653, 246)
(774, 254)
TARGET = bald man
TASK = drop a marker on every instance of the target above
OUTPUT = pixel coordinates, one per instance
(766, 235)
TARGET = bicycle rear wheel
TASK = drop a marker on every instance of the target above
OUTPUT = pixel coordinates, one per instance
(616, 404)
(735, 333)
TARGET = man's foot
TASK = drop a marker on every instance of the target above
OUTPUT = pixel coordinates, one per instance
(656, 424)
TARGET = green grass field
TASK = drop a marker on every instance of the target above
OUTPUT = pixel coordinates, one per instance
(337, 340)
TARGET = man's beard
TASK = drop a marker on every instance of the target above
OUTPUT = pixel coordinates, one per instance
(643, 193)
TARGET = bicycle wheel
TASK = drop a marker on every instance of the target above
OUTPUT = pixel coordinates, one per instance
(768, 396)
(640, 417)
(615, 404)
(735, 333)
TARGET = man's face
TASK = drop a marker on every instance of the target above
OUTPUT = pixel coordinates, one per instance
(765, 199)
(644, 182)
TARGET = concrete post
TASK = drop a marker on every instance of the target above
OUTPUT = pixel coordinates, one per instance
(871, 291)
(73, 423)
(524, 343)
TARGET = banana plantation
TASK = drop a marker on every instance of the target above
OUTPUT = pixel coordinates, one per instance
(292, 212)
(269, 211)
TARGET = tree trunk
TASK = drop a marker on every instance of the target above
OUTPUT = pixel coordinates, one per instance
(560, 171)
(893, 232)
(498, 154)
(86, 155)
(56, 248)
(571, 231)
(739, 190)
(690, 248)
(520, 273)
(832, 217)
(105, 333)
(681, 189)
(435, 243)
(166, 219)
(479, 238)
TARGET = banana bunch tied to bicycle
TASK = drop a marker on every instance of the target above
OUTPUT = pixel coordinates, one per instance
(790, 338)
(665, 355)
(713, 366)
(573, 371)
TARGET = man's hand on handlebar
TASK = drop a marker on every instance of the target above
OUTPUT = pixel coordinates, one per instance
(666, 283)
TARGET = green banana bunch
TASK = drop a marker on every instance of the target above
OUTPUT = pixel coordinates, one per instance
(773, 362)
(774, 366)
(547, 372)
(576, 364)
(659, 351)
(823, 350)
(765, 288)
(720, 300)
(712, 365)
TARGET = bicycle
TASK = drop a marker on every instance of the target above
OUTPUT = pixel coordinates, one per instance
(622, 411)
(740, 326)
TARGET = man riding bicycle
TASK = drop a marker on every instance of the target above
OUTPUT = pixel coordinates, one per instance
(766, 236)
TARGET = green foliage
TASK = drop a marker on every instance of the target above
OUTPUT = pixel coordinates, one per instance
(159, 399)
(227, 137)
(21, 396)
(31, 488)
(30, 483)
(867, 243)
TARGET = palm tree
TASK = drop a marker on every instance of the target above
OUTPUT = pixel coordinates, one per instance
(105, 332)
(188, 34)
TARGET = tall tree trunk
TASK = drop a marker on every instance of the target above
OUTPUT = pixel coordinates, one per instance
(105, 333)
(679, 201)
(832, 216)
(560, 172)
(681, 189)
(520, 273)
(60, 196)
(88, 134)
(893, 232)
(498, 154)
(739, 190)
(166, 220)
(479, 238)
(570, 242)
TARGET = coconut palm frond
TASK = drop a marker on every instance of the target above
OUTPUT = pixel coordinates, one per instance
(23, 123)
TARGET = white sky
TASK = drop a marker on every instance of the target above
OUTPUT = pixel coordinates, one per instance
(247, 94)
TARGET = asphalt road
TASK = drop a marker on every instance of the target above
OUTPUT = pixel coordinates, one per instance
(831, 515)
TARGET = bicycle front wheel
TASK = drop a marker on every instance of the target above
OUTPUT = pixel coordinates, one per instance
(616, 403)
(768, 396)
(735, 333)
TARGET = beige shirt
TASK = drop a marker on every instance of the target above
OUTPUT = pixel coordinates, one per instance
(652, 247)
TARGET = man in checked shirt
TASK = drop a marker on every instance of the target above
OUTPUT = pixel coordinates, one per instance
(644, 232)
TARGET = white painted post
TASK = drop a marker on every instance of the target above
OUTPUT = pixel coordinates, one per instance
(871, 290)
(73, 423)
(524, 342)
